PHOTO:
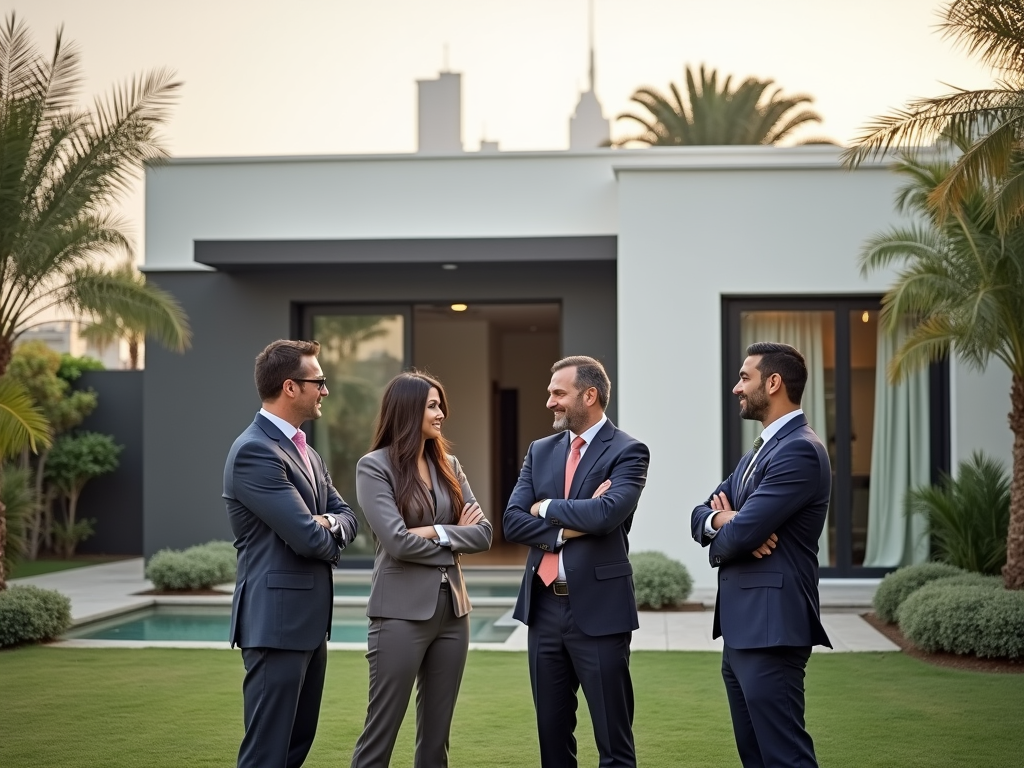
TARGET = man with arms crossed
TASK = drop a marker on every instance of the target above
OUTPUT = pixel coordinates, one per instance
(573, 505)
(762, 526)
(290, 526)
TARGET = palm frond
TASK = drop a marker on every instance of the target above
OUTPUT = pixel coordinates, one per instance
(132, 302)
(716, 113)
(22, 424)
(989, 29)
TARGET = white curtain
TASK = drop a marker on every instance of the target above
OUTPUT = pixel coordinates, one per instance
(900, 460)
(802, 330)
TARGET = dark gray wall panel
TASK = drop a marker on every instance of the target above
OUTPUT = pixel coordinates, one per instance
(197, 403)
(115, 500)
(233, 254)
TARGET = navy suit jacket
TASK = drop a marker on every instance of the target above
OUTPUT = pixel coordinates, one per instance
(773, 600)
(284, 589)
(597, 567)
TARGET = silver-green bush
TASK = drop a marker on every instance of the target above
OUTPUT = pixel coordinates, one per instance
(29, 614)
(659, 580)
(900, 584)
(198, 567)
(980, 619)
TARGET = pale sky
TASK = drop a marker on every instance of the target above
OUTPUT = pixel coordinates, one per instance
(338, 77)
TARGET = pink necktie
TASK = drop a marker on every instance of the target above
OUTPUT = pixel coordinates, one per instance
(548, 570)
(299, 438)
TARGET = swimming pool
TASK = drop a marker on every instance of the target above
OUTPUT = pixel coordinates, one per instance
(209, 623)
(476, 589)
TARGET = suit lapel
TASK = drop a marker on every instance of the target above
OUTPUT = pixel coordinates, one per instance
(290, 450)
(443, 512)
(559, 455)
(766, 451)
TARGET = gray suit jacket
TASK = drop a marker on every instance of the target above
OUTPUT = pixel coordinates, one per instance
(284, 589)
(407, 568)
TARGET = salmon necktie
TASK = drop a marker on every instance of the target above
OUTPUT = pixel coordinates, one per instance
(548, 570)
(299, 438)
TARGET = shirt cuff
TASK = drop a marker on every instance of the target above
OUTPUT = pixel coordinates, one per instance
(559, 541)
(543, 511)
(442, 536)
(709, 530)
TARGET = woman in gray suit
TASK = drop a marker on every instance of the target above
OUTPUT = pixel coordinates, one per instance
(423, 516)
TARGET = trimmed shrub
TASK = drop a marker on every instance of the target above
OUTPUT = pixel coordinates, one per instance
(659, 580)
(198, 567)
(900, 584)
(979, 620)
(29, 614)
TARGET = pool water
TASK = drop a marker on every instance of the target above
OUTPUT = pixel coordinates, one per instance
(362, 589)
(211, 623)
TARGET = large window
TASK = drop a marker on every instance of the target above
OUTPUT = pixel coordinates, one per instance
(881, 439)
(362, 349)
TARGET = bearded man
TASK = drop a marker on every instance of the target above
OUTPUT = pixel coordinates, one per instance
(573, 506)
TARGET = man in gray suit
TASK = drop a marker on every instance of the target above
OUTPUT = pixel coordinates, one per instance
(290, 526)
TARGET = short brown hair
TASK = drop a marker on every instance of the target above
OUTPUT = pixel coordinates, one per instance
(589, 373)
(279, 361)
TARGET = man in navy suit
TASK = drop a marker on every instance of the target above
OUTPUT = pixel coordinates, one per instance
(573, 506)
(290, 526)
(762, 526)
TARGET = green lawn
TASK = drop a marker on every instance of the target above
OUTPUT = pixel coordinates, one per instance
(132, 708)
(39, 567)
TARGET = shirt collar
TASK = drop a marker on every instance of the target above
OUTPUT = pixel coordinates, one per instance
(591, 433)
(773, 429)
(287, 429)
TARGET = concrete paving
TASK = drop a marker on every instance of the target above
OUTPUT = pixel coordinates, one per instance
(100, 591)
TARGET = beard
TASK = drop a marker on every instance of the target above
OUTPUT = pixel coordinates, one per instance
(574, 419)
(755, 406)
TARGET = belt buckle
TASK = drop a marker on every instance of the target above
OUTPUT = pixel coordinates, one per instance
(561, 588)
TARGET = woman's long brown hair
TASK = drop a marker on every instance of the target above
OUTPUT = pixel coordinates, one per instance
(400, 430)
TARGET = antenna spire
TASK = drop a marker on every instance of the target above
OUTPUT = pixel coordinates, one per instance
(591, 45)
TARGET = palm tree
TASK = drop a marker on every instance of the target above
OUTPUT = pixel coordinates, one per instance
(962, 284)
(60, 167)
(993, 117)
(747, 114)
(21, 424)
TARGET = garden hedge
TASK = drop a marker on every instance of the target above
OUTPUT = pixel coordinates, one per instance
(29, 614)
(900, 584)
(977, 619)
(659, 580)
(198, 567)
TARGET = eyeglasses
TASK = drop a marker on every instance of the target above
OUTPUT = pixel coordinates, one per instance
(321, 384)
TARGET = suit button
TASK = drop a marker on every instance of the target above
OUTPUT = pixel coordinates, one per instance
(544, 546)
(718, 561)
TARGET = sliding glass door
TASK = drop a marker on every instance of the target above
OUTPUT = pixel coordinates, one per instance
(882, 439)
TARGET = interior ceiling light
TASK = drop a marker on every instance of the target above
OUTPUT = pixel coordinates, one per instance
(460, 307)
(449, 266)
(866, 316)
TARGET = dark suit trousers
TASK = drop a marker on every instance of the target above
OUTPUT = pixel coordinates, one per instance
(431, 653)
(765, 687)
(281, 694)
(562, 659)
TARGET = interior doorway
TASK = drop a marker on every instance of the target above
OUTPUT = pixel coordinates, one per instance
(494, 361)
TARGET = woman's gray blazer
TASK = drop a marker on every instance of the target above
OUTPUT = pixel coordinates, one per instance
(407, 569)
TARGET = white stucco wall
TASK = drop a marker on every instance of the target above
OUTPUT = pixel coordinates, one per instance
(686, 238)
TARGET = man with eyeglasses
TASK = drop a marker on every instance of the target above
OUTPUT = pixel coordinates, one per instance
(290, 525)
